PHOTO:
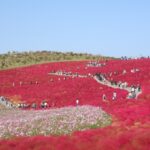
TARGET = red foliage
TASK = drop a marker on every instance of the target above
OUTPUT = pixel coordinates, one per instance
(131, 118)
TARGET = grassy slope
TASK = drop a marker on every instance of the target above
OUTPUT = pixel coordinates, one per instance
(15, 59)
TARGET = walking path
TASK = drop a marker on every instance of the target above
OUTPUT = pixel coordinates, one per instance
(108, 83)
(68, 75)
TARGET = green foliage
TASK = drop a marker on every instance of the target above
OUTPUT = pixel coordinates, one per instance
(16, 59)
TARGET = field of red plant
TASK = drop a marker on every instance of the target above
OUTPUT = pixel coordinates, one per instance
(130, 128)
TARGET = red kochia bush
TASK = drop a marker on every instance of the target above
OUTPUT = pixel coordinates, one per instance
(59, 92)
(130, 126)
(93, 139)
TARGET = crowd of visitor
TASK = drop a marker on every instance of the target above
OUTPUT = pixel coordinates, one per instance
(133, 90)
(95, 64)
(128, 58)
(5, 102)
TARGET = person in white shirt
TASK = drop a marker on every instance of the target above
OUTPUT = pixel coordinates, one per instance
(114, 96)
(77, 102)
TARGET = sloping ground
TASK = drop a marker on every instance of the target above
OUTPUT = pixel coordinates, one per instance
(130, 128)
(20, 85)
(16, 59)
(33, 84)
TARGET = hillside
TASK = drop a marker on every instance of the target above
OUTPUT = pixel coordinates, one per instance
(60, 85)
(16, 59)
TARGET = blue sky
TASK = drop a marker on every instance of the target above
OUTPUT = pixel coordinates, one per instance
(106, 27)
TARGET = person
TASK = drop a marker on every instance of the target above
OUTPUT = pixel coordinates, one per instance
(34, 105)
(42, 104)
(138, 87)
(133, 70)
(125, 84)
(133, 89)
(77, 102)
(110, 74)
(119, 84)
(26, 105)
(131, 95)
(19, 105)
(45, 104)
(124, 72)
(114, 96)
(104, 97)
